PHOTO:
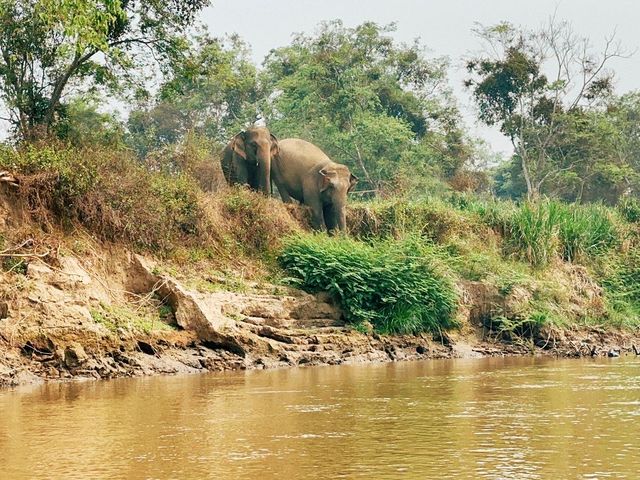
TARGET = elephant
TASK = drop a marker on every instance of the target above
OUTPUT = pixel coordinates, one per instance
(304, 172)
(246, 160)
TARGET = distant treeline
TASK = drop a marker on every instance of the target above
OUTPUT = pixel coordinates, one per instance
(383, 108)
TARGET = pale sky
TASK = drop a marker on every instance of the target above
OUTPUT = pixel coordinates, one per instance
(444, 27)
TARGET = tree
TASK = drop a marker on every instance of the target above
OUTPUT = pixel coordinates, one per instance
(378, 106)
(82, 124)
(530, 83)
(591, 154)
(47, 45)
(210, 89)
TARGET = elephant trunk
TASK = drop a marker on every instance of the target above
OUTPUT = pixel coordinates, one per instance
(264, 169)
(340, 212)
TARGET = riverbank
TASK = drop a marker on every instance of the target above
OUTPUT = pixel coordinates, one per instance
(119, 314)
(110, 269)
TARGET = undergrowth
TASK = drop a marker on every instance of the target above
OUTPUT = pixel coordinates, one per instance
(390, 285)
(549, 262)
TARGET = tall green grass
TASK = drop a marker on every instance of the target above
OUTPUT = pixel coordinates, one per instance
(392, 285)
(622, 288)
(532, 232)
(537, 232)
(586, 231)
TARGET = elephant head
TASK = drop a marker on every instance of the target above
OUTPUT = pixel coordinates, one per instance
(335, 182)
(256, 146)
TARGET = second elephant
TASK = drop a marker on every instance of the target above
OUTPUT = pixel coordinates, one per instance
(304, 172)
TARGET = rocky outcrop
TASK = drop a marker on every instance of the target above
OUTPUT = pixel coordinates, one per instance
(51, 328)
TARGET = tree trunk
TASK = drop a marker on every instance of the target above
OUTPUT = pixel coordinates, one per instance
(60, 85)
(532, 190)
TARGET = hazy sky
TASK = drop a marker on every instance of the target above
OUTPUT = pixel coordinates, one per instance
(444, 27)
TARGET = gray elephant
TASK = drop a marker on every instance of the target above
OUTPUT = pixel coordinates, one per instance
(304, 172)
(246, 160)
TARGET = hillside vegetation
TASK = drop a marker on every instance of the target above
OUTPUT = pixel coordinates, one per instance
(443, 234)
(406, 266)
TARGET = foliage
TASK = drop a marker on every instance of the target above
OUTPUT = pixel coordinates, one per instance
(259, 223)
(532, 232)
(622, 285)
(210, 89)
(194, 155)
(539, 231)
(84, 125)
(586, 231)
(592, 160)
(48, 45)
(430, 218)
(69, 175)
(629, 208)
(368, 102)
(543, 115)
(108, 191)
(387, 285)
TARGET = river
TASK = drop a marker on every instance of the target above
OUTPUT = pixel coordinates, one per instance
(492, 418)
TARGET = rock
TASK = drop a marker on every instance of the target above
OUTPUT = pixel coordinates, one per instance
(39, 270)
(71, 267)
(265, 307)
(74, 356)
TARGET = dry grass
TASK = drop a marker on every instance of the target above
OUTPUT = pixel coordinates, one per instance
(116, 198)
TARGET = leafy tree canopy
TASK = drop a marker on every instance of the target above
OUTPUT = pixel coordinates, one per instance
(46, 46)
(210, 88)
(379, 106)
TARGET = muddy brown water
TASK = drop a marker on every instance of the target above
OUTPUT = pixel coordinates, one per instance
(489, 418)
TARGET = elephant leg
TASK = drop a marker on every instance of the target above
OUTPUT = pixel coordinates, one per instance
(242, 173)
(330, 217)
(286, 198)
(317, 213)
(252, 178)
(311, 198)
(282, 190)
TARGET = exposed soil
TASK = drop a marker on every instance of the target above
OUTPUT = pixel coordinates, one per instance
(49, 330)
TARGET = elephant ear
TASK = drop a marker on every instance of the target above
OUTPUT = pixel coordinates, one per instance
(237, 143)
(327, 177)
(275, 149)
(352, 181)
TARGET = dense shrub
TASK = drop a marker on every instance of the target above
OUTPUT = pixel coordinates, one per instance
(629, 208)
(108, 191)
(60, 173)
(391, 285)
(256, 222)
(429, 218)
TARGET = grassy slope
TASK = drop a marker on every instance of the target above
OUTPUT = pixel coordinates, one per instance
(406, 267)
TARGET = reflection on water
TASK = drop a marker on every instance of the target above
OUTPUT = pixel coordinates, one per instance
(489, 419)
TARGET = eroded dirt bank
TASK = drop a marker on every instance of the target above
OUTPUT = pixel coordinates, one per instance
(54, 324)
